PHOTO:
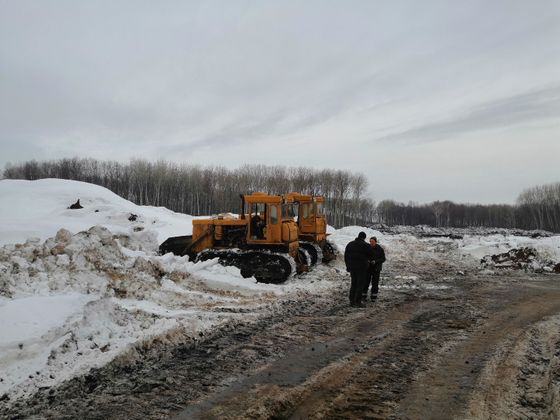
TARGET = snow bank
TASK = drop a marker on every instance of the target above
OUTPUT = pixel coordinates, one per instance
(480, 246)
(341, 237)
(40, 208)
(401, 247)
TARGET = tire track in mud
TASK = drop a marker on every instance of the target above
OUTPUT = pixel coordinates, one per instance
(453, 378)
(421, 359)
(522, 378)
(340, 379)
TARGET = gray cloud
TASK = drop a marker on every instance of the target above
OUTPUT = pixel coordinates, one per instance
(288, 120)
(529, 107)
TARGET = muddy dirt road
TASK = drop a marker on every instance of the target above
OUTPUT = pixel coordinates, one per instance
(446, 344)
(415, 358)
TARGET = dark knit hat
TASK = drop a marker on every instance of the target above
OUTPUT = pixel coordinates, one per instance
(362, 235)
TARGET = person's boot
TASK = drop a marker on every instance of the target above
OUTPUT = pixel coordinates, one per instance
(357, 304)
(373, 297)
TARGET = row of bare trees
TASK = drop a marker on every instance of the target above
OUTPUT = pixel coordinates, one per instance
(447, 214)
(197, 190)
(536, 208)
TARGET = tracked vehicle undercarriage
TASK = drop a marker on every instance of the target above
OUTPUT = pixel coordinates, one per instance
(265, 266)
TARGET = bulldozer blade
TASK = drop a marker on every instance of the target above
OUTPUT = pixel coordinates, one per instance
(178, 245)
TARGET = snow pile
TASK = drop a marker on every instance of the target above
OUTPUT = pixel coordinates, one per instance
(76, 301)
(403, 248)
(547, 248)
(478, 242)
(521, 258)
(38, 209)
(342, 236)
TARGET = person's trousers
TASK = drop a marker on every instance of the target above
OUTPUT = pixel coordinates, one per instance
(359, 278)
(373, 279)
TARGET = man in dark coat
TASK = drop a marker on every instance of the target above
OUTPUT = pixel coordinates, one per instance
(357, 255)
(374, 270)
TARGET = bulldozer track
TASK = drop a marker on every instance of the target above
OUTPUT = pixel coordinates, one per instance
(313, 250)
(265, 266)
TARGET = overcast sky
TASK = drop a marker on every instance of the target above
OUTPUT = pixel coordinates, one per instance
(431, 100)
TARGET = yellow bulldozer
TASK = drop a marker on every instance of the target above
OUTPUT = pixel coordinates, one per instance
(262, 241)
(312, 227)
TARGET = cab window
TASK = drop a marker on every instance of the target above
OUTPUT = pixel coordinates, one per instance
(305, 207)
(320, 209)
(258, 220)
(257, 208)
(288, 211)
(273, 215)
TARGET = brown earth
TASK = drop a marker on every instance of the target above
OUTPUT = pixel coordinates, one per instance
(448, 344)
(417, 359)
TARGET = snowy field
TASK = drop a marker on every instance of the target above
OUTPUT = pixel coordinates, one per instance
(79, 288)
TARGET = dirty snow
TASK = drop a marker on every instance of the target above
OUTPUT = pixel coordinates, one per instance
(76, 301)
(480, 246)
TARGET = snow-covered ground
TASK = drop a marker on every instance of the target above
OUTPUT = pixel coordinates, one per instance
(478, 242)
(79, 288)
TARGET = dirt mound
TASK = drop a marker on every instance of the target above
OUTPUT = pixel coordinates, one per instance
(520, 258)
(76, 206)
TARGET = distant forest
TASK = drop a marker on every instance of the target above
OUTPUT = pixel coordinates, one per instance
(199, 190)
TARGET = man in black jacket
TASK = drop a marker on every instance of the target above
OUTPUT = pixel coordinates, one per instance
(357, 255)
(374, 271)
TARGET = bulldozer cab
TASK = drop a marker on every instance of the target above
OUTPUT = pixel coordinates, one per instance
(271, 219)
(312, 221)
